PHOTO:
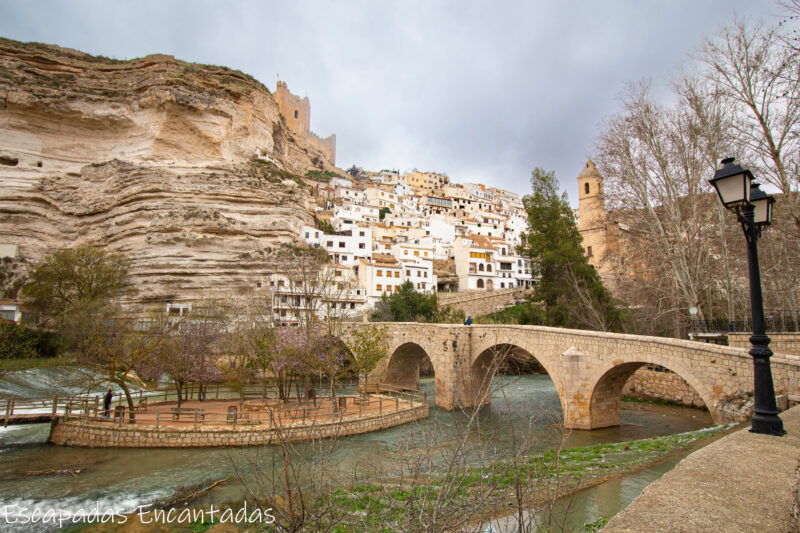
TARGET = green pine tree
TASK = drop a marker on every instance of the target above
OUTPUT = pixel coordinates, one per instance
(570, 292)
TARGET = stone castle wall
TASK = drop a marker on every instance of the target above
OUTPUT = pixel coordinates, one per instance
(296, 112)
(79, 432)
(652, 382)
(327, 145)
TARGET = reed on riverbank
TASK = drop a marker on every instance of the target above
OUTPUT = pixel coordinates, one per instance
(371, 507)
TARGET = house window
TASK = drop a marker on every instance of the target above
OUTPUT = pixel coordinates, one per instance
(361, 246)
(397, 274)
(586, 188)
(379, 287)
(295, 113)
(330, 244)
(588, 251)
(416, 253)
(480, 283)
(380, 273)
(341, 245)
(405, 252)
(408, 273)
(360, 233)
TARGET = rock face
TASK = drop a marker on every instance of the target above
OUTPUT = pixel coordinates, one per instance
(153, 157)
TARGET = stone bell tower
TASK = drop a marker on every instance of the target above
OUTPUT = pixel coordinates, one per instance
(593, 218)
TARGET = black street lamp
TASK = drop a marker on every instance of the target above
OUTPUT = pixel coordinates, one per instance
(753, 208)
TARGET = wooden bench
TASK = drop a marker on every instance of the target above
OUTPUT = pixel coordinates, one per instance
(178, 411)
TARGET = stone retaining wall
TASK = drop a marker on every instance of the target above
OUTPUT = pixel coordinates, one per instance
(782, 343)
(651, 382)
(476, 303)
(78, 432)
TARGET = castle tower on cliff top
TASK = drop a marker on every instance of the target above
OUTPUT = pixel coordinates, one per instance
(593, 218)
(296, 112)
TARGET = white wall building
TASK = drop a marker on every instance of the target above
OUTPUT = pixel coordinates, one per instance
(475, 263)
(382, 275)
(348, 215)
(342, 249)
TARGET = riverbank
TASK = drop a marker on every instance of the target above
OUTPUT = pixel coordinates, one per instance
(469, 497)
(126, 478)
(743, 482)
(473, 496)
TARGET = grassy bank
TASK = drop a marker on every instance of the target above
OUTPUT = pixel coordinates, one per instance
(491, 491)
(660, 401)
(469, 496)
(13, 365)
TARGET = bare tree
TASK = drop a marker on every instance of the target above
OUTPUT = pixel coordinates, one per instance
(749, 66)
(117, 341)
(189, 354)
(655, 161)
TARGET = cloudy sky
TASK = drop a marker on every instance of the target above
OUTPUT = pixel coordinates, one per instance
(483, 91)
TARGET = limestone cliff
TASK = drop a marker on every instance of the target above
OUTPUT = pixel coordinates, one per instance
(153, 157)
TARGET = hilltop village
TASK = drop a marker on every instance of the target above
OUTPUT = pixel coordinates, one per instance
(383, 228)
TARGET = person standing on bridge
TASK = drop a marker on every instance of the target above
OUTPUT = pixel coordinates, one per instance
(107, 403)
(468, 321)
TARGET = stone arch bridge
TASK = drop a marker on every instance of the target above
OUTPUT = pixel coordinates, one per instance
(588, 368)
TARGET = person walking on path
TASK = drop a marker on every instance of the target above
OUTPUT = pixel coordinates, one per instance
(107, 403)
(468, 321)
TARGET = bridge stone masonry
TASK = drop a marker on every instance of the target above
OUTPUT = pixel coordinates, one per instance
(589, 368)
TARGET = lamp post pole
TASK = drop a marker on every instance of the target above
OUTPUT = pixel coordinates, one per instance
(765, 409)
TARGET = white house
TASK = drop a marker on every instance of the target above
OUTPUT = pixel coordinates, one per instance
(345, 249)
(382, 275)
(475, 263)
(348, 215)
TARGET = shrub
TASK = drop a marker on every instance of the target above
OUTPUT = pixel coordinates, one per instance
(21, 342)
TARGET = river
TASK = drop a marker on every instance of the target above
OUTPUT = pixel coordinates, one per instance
(126, 478)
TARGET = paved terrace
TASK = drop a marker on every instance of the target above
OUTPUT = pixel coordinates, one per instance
(742, 482)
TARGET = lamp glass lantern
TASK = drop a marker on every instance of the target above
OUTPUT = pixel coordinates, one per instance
(732, 183)
(762, 206)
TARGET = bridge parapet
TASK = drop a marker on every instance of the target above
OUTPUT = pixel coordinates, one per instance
(588, 368)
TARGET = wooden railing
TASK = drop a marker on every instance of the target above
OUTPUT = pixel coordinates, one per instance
(385, 399)
(389, 398)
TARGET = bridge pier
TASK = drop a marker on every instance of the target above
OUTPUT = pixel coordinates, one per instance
(588, 368)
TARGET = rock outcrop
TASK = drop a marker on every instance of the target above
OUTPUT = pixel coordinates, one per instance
(154, 157)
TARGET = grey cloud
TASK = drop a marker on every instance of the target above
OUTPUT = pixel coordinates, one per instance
(480, 90)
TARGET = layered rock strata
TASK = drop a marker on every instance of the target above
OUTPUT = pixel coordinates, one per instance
(154, 157)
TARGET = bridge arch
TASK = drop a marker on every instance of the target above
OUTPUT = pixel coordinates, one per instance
(402, 368)
(606, 384)
(490, 358)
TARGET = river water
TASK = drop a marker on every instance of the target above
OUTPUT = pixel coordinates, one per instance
(123, 479)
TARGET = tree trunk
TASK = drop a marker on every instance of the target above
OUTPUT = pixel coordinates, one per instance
(128, 397)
